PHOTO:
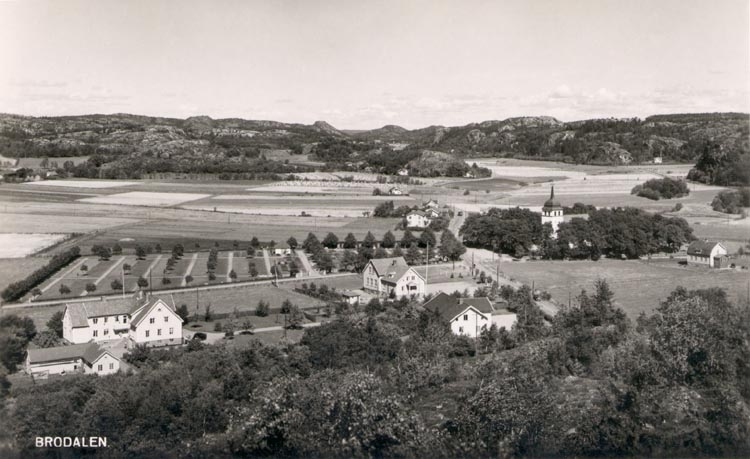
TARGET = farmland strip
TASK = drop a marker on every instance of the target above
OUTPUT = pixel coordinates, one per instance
(189, 269)
(111, 268)
(230, 258)
(63, 275)
(267, 260)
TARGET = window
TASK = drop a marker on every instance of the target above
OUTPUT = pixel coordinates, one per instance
(147, 333)
(105, 320)
(75, 367)
(101, 367)
(166, 318)
(95, 320)
(152, 320)
(106, 332)
(117, 318)
(111, 366)
(96, 333)
(124, 319)
(460, 329)
(171, 330)
(158, 332)
(466, 317)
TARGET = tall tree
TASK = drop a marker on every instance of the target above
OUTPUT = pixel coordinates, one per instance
(350, 242)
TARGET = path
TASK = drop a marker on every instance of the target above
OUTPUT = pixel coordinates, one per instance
(189, 269)
(230, 259)
(267, 260)
(109, 270)
(151, 266)
(63, 275)
(305, 262)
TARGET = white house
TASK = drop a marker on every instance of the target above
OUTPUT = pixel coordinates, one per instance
(658, 160)
(351, 297)
(403, 172)
(431, 213)
(386, 275)
(395, 191)
(87, 358)
(711, 254)
(143, 320)
(469, 316)
(417, 219)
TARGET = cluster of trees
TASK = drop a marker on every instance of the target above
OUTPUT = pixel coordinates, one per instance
(723, 165)
(620, 232)
(394, 381)
(387, 209)
(18, 289)
(664, 188)
(732, 201)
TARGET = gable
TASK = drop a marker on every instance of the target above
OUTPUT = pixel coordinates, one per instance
(155, 309)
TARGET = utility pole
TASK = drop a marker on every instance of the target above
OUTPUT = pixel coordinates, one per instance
(122, 270)
(427, 271)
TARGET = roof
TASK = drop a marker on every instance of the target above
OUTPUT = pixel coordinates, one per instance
(702, 248)
(391, 269)
(93, 353)
(81, 312)
(143, 311)
(350, 294)
(448, 307)
(552, 202)
(417, 212)
(59, 353)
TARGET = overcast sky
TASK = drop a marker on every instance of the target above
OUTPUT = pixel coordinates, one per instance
(364, 64)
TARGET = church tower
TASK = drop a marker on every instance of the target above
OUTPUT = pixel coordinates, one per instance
(552, 212)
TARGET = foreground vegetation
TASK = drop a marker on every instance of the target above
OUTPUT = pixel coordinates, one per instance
(393, 381)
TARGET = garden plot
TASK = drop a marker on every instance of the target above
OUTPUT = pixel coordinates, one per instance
(146, 198)
(82, 183)
(19, 245)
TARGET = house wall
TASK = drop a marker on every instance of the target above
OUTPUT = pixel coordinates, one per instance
(505, 321)
(408, 280)
(370, 279)
(106, 328)
(554, 217)
(55, 368)
(109, 365)
(469, 323)
(417, 221)
(166, 325)
(75, 335)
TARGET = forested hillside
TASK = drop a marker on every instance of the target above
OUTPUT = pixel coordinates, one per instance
(128, 146)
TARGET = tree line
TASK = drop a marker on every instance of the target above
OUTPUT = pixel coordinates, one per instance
(18, 289)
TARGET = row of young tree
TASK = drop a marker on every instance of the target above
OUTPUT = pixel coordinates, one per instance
(18, 289)
(619, 232)
(394, 381)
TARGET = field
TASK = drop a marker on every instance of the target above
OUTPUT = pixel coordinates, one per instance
(19, 245)
(82, 183)
(145, 198)
(244, 298)
(638, 286)
(16, 269)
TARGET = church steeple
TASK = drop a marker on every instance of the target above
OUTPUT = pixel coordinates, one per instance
(552, 192)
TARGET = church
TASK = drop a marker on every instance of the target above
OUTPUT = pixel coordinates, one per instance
(552, 213)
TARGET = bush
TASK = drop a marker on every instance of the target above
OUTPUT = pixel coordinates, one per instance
(200, 335)
(731, 201)
(665, 188)
(18, 289)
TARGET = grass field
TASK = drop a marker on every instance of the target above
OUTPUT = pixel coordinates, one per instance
(244, 298)
(638, 286)
(19, 245)
(16, 269)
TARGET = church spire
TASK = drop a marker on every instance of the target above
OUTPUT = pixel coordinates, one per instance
(552, 193)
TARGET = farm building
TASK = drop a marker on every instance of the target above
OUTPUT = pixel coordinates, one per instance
(417, 219)
(469, 316)
(87, 358)
(141, 320)
(711, 254)
(392, 276)
(351, 297)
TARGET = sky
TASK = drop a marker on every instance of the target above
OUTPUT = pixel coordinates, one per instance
(365, 64)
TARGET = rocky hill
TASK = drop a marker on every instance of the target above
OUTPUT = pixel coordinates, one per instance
(123, 145)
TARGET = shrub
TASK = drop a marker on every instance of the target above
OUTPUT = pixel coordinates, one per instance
(200, 335)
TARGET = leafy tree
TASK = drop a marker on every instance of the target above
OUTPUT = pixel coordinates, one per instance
(331, 241)
(55, 323)
(117, 249)
(188, 279)
(116, 285)
(233, 275)
(140, 252)
(292, 243)
(369, 240)
(254, 242)
(530, 320)
(91, 287)
(389, 240)
(380, 253)
(157, 248)
(413, 255)
(427, 238)
(450, 247)
(295, 319)
(350, 242)
(262, 309)
(310, 242)
(250, 252)
(408, 239)
(325, 262)
(286, 306)
(142, 282)
(46, 338)
(184, 314)
(64, 289)
(253, 270)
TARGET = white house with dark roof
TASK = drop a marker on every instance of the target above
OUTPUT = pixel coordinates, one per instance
(417, 219)
(142, 320)
(87, 358)
(386, 275)
(706, 253)
(469, 316)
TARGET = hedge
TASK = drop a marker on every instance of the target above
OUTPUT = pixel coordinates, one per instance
(18, 289)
